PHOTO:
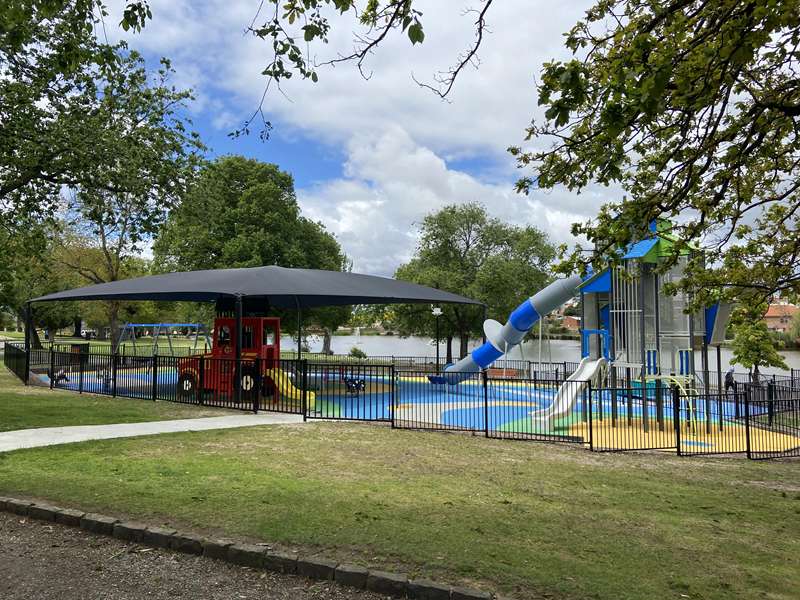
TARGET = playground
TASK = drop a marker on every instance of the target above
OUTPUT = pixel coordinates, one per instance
(638, 385)
(601, 418)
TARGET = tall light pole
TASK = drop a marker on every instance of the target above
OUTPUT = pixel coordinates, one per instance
(437, 312)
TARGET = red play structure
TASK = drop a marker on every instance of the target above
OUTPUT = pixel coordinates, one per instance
(216, 371)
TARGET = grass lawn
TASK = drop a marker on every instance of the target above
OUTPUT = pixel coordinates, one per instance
(535, 520)
(24, 407)
(12, 335)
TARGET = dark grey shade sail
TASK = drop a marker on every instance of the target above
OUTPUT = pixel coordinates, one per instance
(280, 287)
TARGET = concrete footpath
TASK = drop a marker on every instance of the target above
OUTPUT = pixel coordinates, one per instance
(51, 436)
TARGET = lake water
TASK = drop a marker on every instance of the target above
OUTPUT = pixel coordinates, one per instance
(560, 350)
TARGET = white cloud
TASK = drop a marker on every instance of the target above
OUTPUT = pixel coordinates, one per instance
(398, 137)
(391, 183)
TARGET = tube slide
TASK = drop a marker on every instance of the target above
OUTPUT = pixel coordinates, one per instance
(287, 389)
(502, 338)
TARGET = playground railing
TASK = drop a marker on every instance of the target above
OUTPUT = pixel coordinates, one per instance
(537, 409)
(495, 407)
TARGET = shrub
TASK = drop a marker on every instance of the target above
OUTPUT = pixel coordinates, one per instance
(356, 352)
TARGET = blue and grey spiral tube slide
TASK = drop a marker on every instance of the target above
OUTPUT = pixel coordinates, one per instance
(502, 338)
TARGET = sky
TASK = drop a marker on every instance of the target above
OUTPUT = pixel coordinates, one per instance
(372, 157)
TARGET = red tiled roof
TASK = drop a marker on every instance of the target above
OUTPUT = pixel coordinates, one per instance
(781, 310)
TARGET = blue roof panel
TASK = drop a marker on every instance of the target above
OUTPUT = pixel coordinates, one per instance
(640, 249)
(598, 283)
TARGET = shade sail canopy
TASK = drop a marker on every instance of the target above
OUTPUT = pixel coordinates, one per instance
(279, 287)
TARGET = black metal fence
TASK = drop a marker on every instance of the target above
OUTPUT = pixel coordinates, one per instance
(632, 418)
(252, 385)
(772, 418)
(349, 391)
(757, 419)
(14, 359)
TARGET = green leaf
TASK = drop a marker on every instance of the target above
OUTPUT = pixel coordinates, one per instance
(415, 33)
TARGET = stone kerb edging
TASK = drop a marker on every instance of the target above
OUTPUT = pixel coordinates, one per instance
(246, 555)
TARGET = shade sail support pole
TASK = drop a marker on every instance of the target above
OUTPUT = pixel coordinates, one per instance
(238, 350)
(28, 336)
(299, 328)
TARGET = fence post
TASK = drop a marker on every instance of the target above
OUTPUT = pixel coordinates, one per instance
(155, 377)
(392, 398)
(82, 358)
(28, 349)
(770, 402)
(584, 414)
(304, 383)
(201, 384)
(659, 404)
(747, 419)
(485, 377)
(676, 417)
(27, 365)
(52, 366)
(114, 374)
(591, 434)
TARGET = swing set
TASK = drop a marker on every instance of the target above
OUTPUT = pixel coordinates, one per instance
(131, 332)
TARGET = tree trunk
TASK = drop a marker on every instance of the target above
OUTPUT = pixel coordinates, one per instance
(36, 342)
(113, 322)
(326, 341)
(76, 327)
(463, 339)
(755, 374)
(449, 354)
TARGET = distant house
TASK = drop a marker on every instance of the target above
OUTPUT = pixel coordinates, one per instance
(779, 316)
(571, 323)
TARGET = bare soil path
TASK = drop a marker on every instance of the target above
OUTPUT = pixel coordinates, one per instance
(47, 561)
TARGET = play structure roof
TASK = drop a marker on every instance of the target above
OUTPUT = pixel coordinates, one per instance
(279, 286)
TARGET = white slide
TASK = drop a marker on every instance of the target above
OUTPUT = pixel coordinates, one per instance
(588, 371)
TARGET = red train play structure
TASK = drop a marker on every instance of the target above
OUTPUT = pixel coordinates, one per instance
(215, 372)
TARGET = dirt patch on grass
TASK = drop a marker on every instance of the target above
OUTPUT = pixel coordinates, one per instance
(778, 486)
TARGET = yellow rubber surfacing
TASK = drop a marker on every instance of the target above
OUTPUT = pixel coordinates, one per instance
(625, 435)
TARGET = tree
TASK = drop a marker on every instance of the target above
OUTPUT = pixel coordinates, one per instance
(33, 269)
(52, 70)
(692, 108)
(753, 346)
(244, 213)
(125, 204)
(794, 328)
(464, 250)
